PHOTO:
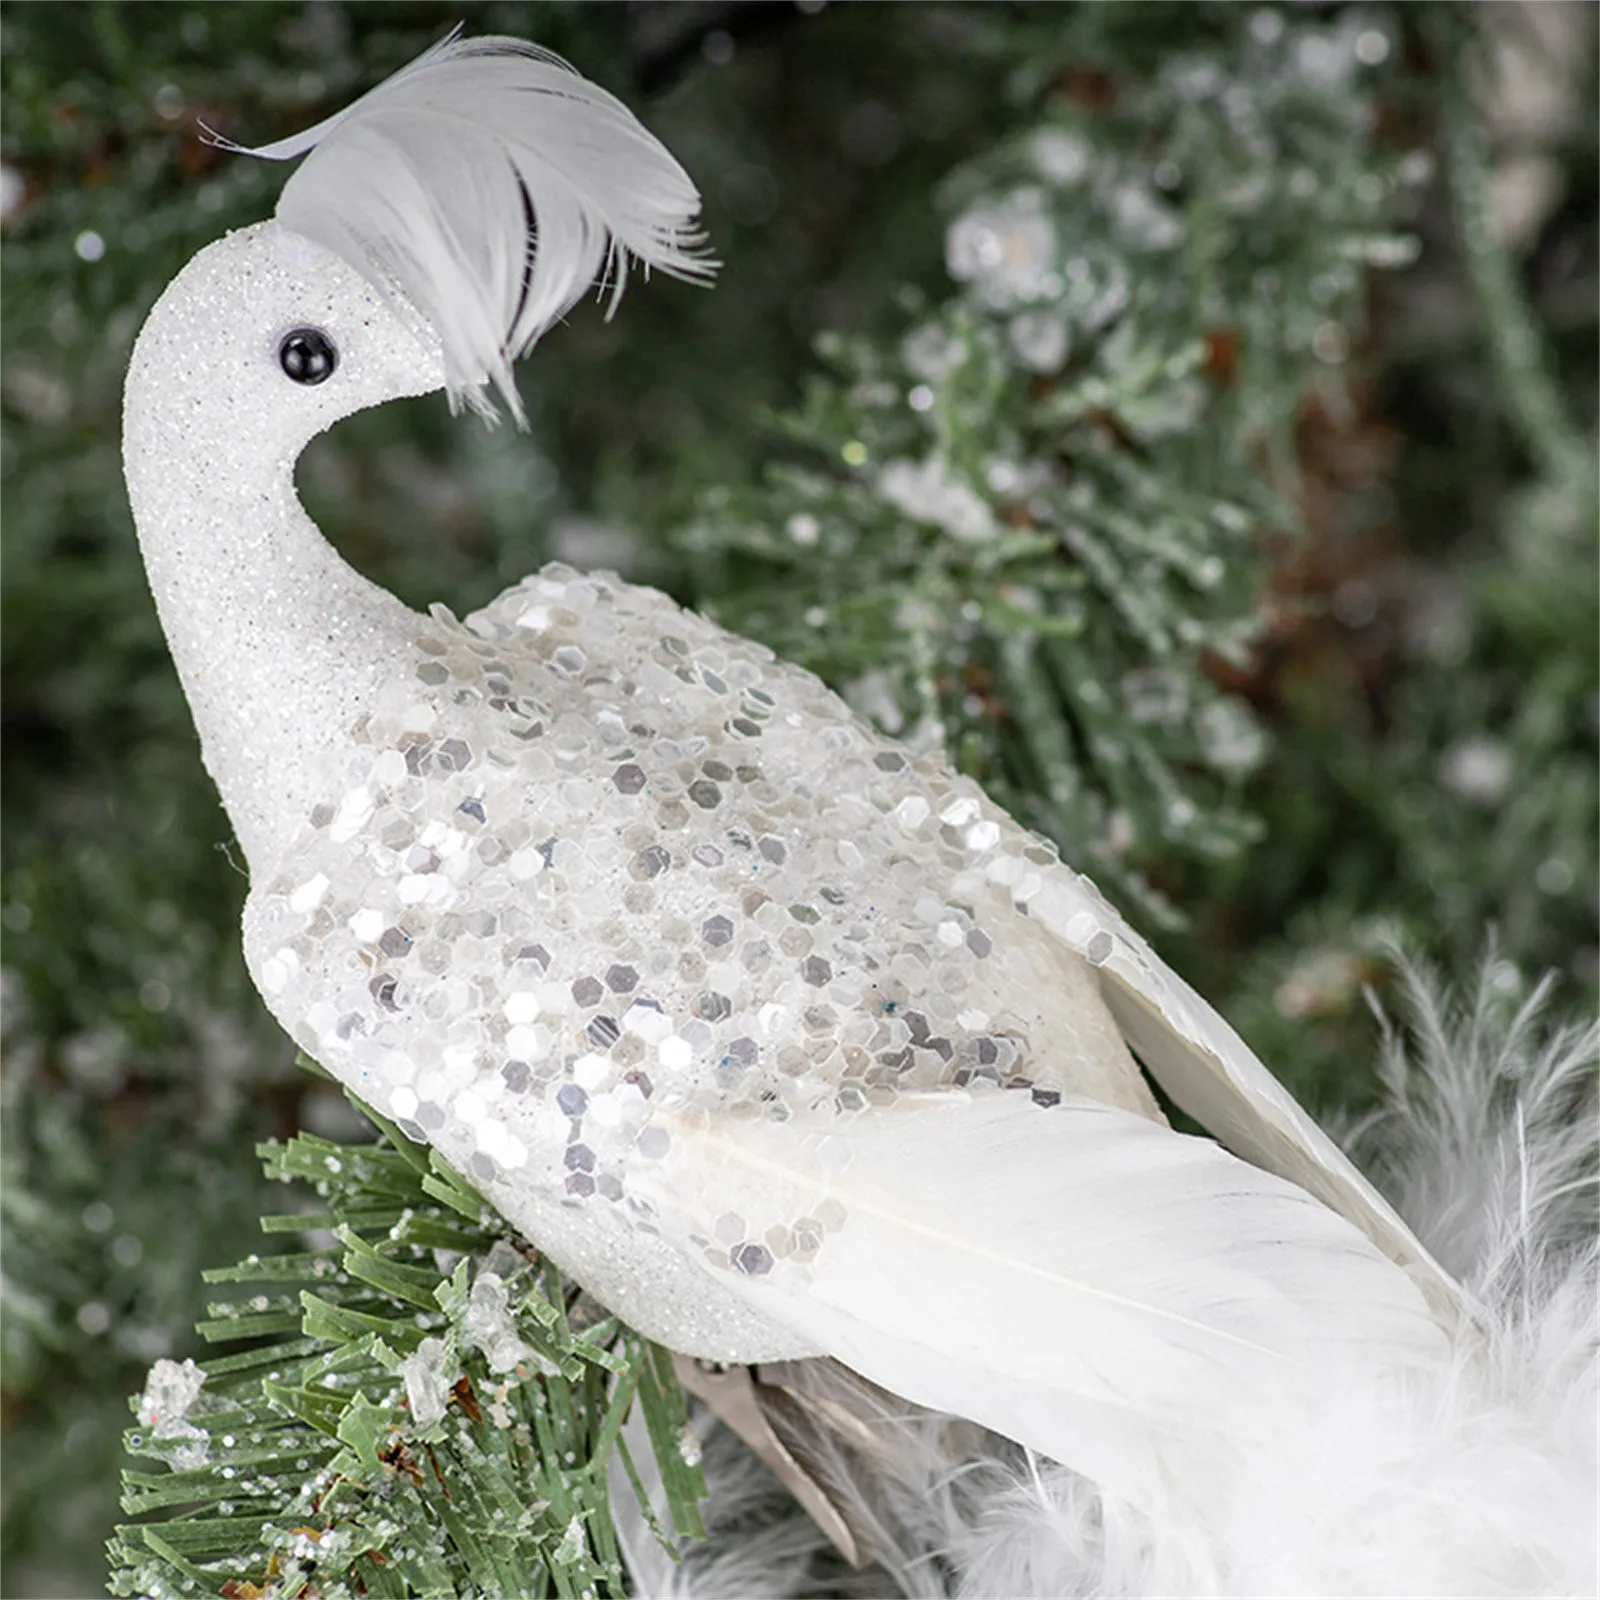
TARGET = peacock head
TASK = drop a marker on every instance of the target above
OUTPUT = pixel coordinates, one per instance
(265, 339)
(433, 231)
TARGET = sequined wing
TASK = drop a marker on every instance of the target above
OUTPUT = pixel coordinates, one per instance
(905, 828)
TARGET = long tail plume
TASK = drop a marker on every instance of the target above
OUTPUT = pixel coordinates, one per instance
(1480, 1478)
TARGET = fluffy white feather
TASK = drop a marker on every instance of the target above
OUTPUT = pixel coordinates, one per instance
(1488, 1136)
(1481, 1481)
(1479, 1478)
(484, 187)
(754, 1549)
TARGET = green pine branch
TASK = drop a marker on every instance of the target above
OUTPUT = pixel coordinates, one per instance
(1533, 403)
(1026, 522)
(312, 1461)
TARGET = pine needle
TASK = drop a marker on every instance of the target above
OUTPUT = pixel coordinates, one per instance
(317, 1478)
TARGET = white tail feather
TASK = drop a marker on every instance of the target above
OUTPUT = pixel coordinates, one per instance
(489, 185)
(1211, 1073)
(1079, 1279)
(1479, 1479)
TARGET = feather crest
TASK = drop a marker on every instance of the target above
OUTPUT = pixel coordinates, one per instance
(485, 186)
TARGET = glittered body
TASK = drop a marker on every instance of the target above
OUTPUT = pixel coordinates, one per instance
(630, 921)
(780, 1040)
(592, 874)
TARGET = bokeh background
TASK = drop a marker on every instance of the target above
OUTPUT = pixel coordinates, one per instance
(1378, 356)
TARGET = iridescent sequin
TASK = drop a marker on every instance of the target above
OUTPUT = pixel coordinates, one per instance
(595, 871)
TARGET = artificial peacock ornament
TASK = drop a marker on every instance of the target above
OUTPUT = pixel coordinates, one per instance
(783, 1041)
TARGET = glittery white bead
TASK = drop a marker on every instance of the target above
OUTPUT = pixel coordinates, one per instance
(528, 1043)
(389, 768)
(646, 1021)
(603, 1108)
(590, 1071)
(309, 895)
(912, 812)
(674, 1053)
(1005, 871)
(501, 1146)
(354, 810)
(469, 1107)
(460, 1063)
(527, 864)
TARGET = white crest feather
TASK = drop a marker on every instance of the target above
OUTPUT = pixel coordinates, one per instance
(488, 185)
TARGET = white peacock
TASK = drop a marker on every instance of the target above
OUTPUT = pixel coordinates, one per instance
(779, 1039)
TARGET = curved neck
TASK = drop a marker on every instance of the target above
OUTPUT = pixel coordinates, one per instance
(280, 645)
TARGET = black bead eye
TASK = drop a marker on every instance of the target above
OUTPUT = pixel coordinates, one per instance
(308, 355)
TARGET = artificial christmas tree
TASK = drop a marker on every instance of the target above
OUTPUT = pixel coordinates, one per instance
(1400, 684)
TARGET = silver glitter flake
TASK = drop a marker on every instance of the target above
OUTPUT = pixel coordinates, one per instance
(665, 928)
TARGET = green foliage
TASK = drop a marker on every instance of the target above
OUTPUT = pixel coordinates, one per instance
(1435, 772)
(1023, 525)
(303, 1467)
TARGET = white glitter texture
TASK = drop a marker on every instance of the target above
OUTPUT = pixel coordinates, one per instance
(428, 1381)
(488, 1324)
